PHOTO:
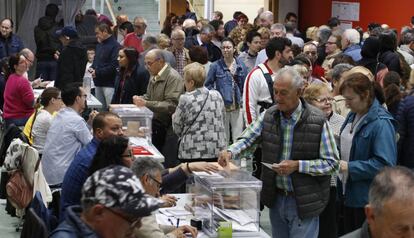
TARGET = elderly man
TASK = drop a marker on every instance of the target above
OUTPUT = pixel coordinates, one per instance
(164, 89)
(149, 172)
(277, 30)
(204, 39)
(407, 46)
(390, 211)
(113, 201)
(350, 44)
(149, 42)
(182, 58)
(9, 43)
(299, 154)
(134, 39)
(266, 19)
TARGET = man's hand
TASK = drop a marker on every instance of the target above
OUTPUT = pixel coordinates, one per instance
(139, 101)
(92, 72)
(224, 158)
(180, 231)
(92, 116)
(169, 200)
(286, 167)
(343, 166)
(203, 167)
(36, 83)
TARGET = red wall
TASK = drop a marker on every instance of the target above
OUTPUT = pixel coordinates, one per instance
(395, 13)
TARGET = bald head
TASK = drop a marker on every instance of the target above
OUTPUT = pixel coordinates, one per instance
(154, 61)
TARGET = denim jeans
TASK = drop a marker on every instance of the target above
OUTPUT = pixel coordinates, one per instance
(104, 95)
(47, 70)
(16, 121)
(286, 222)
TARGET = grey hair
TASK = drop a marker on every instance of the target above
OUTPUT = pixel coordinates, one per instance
(189, 23)
(407, 37)
(339, 69)
(26, 52)
(324, 35)
(297, 80)
(352, 36)
(207, 29)
(146, 165)
(279, 26)
(150, 39)
(391, 183)
(267, 14)
(159, 54)
(141, 19)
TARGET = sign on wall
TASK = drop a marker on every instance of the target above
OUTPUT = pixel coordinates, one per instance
(346, 11)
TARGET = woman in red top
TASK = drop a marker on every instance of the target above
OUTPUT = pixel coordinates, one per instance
(18, 93)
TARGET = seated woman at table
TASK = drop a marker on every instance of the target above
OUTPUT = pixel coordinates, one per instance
(49, 102)
(199, 118)
(18, 92)
(132, 78)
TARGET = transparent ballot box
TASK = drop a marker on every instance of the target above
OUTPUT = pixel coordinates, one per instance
(137, 121)
(228, 196)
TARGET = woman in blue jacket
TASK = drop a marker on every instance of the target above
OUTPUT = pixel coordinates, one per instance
(368, 143)
(227, 75)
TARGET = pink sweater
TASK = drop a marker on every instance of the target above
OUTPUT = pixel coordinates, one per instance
(18, 98)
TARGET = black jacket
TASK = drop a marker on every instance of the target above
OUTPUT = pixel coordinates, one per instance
(71, 64)
(86, 31)
(46, 41)
(135, 84)
(214, 53)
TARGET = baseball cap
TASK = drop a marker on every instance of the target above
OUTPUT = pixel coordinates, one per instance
(117, 187)
(68, 31)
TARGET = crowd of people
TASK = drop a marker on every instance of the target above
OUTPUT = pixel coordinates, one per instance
(330, 110)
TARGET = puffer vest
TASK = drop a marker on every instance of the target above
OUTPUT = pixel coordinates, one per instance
(311, 192)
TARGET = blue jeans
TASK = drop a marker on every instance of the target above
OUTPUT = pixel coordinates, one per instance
(286, 222)
(16, 121)
(47, 70)
(104, 95)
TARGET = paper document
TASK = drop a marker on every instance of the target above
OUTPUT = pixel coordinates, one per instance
(269, 165)
(205, 174)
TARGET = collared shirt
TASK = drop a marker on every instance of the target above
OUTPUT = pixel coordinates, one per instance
(326, 164)
(76, 176)
(158, 76)
(67, 134)
(199, 40)
(181, 60)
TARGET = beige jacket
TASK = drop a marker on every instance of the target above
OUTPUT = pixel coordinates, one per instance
(163, 93)
(151, 229)
(339, 106)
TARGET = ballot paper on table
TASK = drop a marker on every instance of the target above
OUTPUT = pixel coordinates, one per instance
(174, 211)
(240, 220)
(209, 175)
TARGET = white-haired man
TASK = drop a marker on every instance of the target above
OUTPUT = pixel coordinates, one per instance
(300, 154)
(276, 30)
(350, 44)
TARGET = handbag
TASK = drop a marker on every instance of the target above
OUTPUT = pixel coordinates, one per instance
(19, 191)
(192, 123)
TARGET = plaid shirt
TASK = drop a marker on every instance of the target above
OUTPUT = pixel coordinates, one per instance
(327, 164)
(181, 58)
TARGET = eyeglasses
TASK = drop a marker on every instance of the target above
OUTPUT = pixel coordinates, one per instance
(323, 100)
(158, 182)
(149, 64)
(132, 221)
(178, 39)
(31, 61)
(310, 52)
(139, 26)
(129, 154)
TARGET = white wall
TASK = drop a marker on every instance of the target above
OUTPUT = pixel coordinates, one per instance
(228, 7)
(286, 6)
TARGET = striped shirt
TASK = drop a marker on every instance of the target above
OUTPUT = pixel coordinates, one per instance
(326, 164)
